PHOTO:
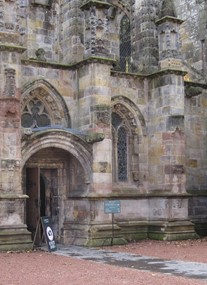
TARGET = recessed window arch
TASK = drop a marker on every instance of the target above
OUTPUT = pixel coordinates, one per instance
(43, 106)
(127, 169)
(125, 44)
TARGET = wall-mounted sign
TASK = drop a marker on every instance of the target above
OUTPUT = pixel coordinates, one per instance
(112, 206)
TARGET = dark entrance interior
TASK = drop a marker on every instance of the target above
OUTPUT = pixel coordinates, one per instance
(42, 189)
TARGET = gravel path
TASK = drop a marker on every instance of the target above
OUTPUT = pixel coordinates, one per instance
(45, 268)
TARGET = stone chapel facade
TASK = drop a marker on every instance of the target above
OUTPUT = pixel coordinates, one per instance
(99, 101)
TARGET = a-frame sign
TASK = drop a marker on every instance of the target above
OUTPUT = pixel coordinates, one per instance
(48, 233)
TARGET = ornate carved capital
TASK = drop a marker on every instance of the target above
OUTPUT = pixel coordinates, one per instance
(10, 85)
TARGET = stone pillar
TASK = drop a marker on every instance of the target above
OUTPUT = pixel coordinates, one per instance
(167, 170)
(95, 101)
(95, 118)
(202, 8)
(95, 121)
(99, 29)
(144, 35)
(71, 32)
(13, 232)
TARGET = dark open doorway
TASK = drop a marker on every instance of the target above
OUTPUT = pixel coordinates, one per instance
(42, 189)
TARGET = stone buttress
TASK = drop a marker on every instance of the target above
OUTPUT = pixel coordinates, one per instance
(169, 208)
(13, 231)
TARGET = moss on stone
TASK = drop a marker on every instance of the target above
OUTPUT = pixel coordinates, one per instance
(191, 91)
(105, 242)
(94, 137)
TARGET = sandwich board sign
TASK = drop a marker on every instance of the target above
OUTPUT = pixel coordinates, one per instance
(48, 233)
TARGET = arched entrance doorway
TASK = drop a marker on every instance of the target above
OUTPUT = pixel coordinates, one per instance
(52, 177)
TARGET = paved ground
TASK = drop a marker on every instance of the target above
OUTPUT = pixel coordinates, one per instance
(195, 270)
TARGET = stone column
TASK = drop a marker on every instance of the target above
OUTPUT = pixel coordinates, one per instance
(95, 111)
(13, 232)
(144, 35)
(95, 118)
(71, 31)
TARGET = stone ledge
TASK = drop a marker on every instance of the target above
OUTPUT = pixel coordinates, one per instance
(8, 196)
(101, 4)
(132, 195)
(171, 230)
(165, 71)
(11, 48)
(128, 74)
(169, 19)
(197, 193)
(57, 65)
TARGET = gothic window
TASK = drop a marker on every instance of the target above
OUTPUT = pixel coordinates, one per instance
(120, 142)
(122, 154)
(35, 115)
(125, 44)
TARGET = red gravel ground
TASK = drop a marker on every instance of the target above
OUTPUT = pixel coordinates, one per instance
(44, 268)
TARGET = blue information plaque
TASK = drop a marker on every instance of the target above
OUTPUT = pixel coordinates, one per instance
(112, 206)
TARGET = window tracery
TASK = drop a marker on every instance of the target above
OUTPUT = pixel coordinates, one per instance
(35, 115)
(128, 127)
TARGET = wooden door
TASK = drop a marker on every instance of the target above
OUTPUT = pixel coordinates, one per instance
(42, 189)
(50, 176)
(33, 202)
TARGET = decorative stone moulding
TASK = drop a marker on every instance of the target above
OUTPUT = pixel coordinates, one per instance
(10, 86)
(88, 60)
(169, 19)
(12, 48)
(91, 3)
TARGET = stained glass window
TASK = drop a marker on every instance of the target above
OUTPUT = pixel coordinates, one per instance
(120, 148)
(125, 44)
(122, 154)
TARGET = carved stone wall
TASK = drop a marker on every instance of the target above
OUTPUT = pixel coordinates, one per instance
(60, 90)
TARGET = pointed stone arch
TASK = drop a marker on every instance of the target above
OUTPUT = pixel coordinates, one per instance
(128, 116)
(123, 5)
(41, 102)
(59, 139)
(126, 108)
